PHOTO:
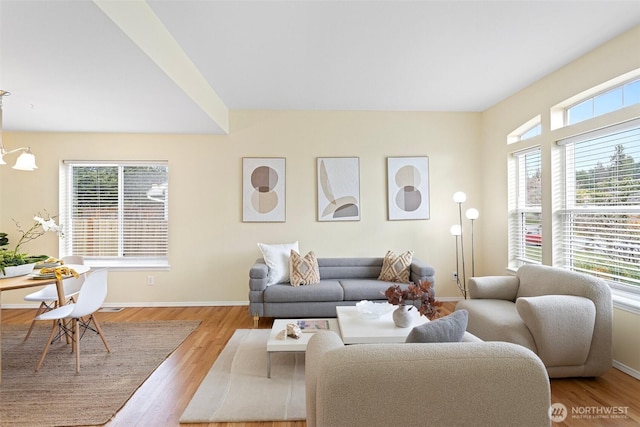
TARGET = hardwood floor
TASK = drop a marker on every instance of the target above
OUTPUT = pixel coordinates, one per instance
(159, 402)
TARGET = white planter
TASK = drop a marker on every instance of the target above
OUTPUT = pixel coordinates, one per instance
(17, 270)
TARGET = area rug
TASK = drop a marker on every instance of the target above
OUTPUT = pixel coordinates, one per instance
(57, 396)
(237, 389)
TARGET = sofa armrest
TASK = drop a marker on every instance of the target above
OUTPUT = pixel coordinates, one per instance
(258, 276)
(561, 325)
(320, 343)
(493, 287)
(378, 384)
(421, 270)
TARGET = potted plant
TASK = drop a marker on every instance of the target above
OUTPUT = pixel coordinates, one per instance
(420, 296)
(13, 262)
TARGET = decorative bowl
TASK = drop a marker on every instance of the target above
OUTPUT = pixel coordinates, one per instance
(17, 270)
(373, 310)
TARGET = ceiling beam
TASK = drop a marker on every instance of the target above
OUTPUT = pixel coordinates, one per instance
(138, 21)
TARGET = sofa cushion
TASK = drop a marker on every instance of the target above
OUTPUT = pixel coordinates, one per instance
(303, 270)
(350, 268)
(396, 268)
(360, 289)
(450, 328)
(277, 259)
(497, 320)
(562, 326)
(325, 290)
(493, 287)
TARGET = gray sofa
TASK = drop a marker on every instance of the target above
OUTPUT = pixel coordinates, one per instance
(494, 384)
(343, 281)
(563, 316)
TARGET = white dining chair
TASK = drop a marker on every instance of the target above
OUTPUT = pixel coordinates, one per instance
(48, 296)
(81, 313)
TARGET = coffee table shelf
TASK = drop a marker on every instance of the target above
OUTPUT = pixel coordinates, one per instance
(275, 344)
(356, 329)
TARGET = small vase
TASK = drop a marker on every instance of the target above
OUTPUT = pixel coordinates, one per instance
(401, 316)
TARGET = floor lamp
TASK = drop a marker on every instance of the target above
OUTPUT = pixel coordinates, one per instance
(472, 214)
(457, 230)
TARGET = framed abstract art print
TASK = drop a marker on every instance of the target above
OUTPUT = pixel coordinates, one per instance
(408, 187)
(338, 188)
(263, 189)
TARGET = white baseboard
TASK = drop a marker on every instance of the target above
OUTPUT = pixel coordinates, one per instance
(151, 304)
(627, 370)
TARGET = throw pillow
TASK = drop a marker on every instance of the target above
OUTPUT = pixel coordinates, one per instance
(450, 328)
(277, 259)
(396, 268)
(304, 270)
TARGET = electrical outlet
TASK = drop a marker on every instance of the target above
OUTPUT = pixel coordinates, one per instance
(150, 280)
(454, 276)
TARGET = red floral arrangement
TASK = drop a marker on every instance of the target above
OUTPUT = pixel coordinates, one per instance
(422, 292)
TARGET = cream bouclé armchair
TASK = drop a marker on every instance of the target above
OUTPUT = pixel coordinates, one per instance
(563, 316)
(476, 383)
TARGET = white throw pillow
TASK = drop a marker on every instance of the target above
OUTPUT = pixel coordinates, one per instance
(277, 259)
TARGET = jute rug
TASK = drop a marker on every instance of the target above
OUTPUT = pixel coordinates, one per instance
(237, 389)
(57, 396)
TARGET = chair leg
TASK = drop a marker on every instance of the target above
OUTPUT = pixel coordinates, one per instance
(43, 307)
(46, 347)
(76, 343)
(99, 329)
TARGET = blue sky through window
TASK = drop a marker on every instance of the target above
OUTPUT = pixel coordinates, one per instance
(606, 102)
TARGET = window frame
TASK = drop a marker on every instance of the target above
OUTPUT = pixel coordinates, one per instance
(594, 98)
(519, 247)
(520, 133)
(159, 262)
(626, 295)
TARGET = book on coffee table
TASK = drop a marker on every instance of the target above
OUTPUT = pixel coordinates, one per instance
(313, 325)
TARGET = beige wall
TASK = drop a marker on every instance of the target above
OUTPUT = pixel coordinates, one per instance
(615, 58)
(211, 249)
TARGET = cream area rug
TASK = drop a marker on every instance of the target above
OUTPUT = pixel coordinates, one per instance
(56, 395)
(237, 389)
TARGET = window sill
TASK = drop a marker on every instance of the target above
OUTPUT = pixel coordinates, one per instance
(128, 265)
(626, 301)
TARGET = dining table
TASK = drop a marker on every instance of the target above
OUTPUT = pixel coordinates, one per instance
(31, 281)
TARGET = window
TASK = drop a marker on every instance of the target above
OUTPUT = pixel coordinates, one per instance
(525, 219)
(613, 99)
(534, 131)
(601, 212)
(116, 214)
(530, 129)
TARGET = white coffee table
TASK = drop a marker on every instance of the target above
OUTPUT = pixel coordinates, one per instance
(356, 329)
(276, 344)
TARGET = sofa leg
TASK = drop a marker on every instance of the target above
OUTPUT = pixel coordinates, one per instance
(256, 319)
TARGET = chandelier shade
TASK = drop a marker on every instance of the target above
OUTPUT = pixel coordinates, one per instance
(26, 161)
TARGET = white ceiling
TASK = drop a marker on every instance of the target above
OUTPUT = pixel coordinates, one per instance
(69, 67)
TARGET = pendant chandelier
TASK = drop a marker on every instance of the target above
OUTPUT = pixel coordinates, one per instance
(26, 161)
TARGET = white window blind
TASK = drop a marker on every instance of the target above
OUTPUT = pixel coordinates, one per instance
(116, 213)
(525, 219)
(601, 215)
